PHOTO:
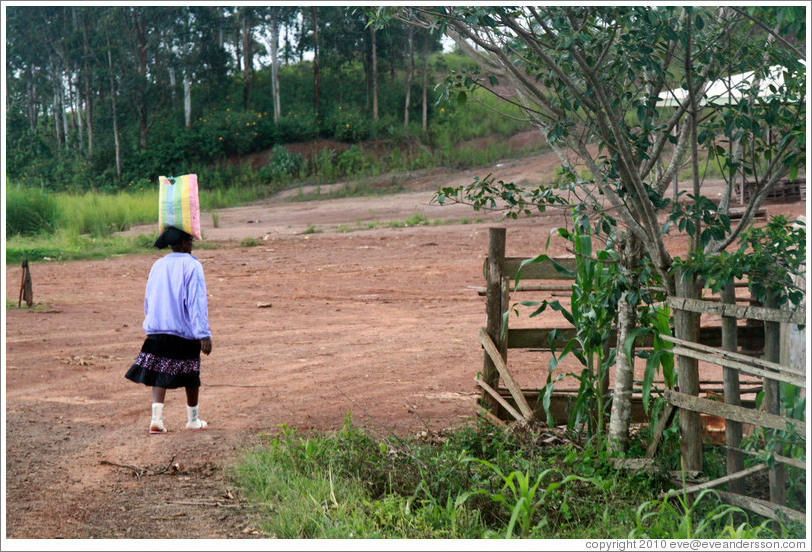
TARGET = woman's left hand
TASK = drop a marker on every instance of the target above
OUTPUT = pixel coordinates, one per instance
(205, 345)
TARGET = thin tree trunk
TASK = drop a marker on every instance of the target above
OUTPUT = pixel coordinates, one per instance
(315, 59)
(57, 109)
(141, 35)
(425, 120)
(624, 378)
(620, 417)
(409, 75)
(374, 75)
(78, 119)
(115, 112)
(248, 62)
(86, 82)
(31, 96)
(88, 111)
(187, 100)
(277, 103)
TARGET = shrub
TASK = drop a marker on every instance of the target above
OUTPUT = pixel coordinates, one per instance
(350, 126)
(283, 164)
(352, 161)
(296, 127)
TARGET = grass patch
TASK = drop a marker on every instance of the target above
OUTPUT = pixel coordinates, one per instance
(12, 305)
(473, 482)
(67, 246)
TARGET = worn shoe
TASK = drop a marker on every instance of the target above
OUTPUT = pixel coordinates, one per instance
(197, 425)
(157, 426)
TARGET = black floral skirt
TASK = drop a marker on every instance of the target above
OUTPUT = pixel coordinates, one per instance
(167, 361)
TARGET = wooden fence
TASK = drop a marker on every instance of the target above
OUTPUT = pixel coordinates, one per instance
(509, 400)
(716, 344)
(772, 372)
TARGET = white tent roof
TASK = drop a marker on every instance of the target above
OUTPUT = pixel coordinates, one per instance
(731, 89)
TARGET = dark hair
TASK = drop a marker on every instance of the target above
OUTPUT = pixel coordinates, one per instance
(171, 236)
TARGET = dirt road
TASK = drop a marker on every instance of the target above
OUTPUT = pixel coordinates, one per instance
(308, 327)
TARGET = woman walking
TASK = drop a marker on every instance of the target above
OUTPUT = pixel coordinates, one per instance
(176, 321)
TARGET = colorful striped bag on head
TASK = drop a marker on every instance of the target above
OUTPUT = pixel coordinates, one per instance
(179, 204)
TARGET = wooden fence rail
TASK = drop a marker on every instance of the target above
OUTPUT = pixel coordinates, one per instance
(769, 369)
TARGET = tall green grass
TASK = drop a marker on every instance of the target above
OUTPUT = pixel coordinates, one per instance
(30, 211)
(100, 215)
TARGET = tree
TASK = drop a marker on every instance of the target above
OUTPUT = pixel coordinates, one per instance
(315, 58)
(594, 79)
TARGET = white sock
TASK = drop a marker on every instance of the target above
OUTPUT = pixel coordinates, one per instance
(157, 411)
(191, 413)
(194, 422)
(156, 425)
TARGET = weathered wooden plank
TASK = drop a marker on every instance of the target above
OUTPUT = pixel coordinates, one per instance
(716, 482)
(531, 287)
(772, 399)
(732, 390)
(500, 365)
(544, 270)
(738, 413)
(488, 415)
(493, 393)
(493, 307)
(777, 457)
(757, 362)
(747, 369)
(539, 338)
(738, 311)
(762, 507)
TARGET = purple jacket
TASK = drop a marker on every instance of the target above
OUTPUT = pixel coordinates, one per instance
(175, 298)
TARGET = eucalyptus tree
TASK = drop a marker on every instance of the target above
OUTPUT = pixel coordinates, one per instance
(595, 81)
(277, 17)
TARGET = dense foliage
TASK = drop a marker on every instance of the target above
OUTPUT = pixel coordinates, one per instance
(121, 94)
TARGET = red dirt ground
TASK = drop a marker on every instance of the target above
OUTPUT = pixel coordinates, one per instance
(308, 327)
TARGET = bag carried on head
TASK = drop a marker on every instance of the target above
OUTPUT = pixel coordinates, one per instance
(179, 204)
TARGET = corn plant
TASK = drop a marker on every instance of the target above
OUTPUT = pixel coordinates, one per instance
(593, 311)
(521, 495)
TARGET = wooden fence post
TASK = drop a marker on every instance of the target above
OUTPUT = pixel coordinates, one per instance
(494, 309)
(686, 327)
(772, 401)
(732, 392)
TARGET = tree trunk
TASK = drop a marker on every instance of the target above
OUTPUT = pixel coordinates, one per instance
(187, 100)
(141, 35)
(375, 116)
(424, 122)
(32, 103)
(624, 378)
(315, 59)
(57, 110)
(277, 103)
(248, 62)
(78, 119)
(115, 112)
(621, 413)
(88, 111)
(409, 75)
